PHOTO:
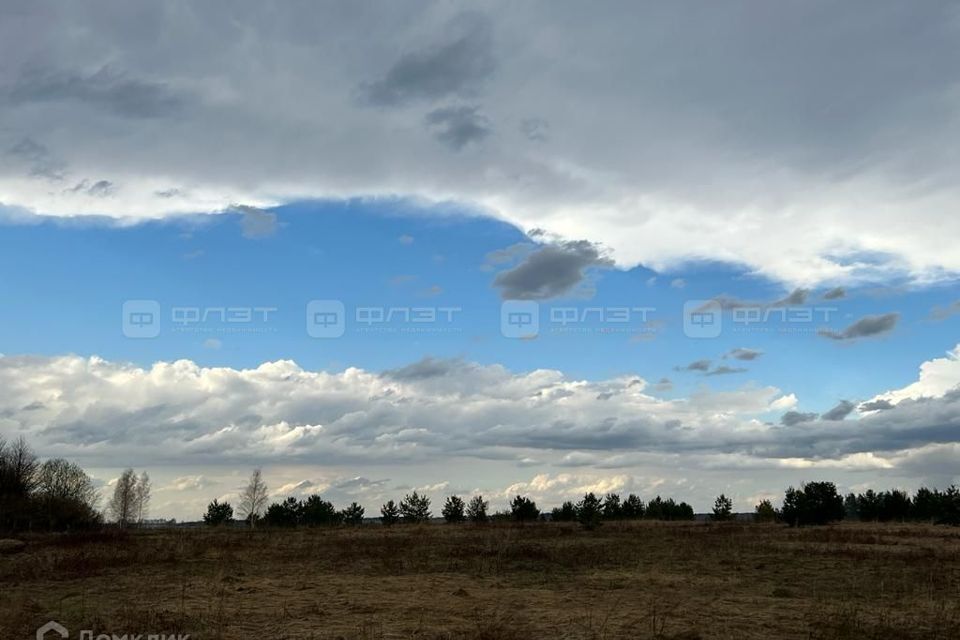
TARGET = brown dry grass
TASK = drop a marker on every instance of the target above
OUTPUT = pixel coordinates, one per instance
(630, 580)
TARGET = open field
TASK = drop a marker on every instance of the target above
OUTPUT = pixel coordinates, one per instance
(630, 580)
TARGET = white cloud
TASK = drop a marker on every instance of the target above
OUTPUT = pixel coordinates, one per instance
(937, 377)
(827, 158)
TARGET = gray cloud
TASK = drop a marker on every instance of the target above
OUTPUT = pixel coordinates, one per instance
(864, 327)
(278, 414)
(263, 114)
(877, 405)
(255, 222)
(424, 369)
(839, 412)
(724, 370)
(792, 418)
(835, 294)
(741, 353)
(535, 129)
(105, 88)
(696, 365)
(98, 189)
(42, 163)
(454, 68)
(946, 311)
(664, 384)
(794, 298)
(458, 126)
(550, 271)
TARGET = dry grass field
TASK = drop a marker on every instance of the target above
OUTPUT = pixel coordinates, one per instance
(630, 580)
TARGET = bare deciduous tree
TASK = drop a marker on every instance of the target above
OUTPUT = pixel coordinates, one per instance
(253, 499)
(18, 468)
(123, 508)
(142, 499)
(60, 479)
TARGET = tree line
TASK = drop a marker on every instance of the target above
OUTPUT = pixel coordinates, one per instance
(416, 508)
(57, 495)
(817, 503)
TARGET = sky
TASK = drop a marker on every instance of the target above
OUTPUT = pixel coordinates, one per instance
(501, 248)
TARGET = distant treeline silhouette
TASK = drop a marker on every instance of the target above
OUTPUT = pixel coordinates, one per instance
(57, 495)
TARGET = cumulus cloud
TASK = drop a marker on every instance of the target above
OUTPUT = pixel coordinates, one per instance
(550, 271)
(835, 293)
(937, 378)
(863, 190)
(105, 411)
(278, 411)
(865, 327)
(315, 431)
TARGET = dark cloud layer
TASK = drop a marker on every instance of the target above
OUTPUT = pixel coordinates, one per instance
(453, 68)
(457, 127)
(840, 411)
(793, 418)
(105, 87)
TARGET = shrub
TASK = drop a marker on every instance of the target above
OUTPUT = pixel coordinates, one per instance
(814, 503)
(477, 510)
(453, 510)
(415, 508)
(218, 513)
(722, 508)
(523, 509)
(389, 513)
